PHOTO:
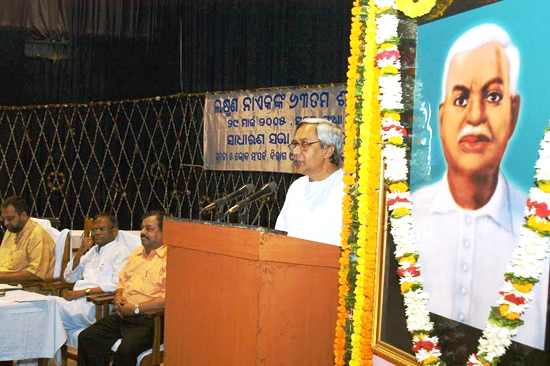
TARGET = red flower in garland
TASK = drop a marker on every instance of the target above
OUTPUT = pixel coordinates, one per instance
(518, 300)
(388, 55)
(400, 129)
(540, 208)
(427, 345)
(397, 199)
(412, 270)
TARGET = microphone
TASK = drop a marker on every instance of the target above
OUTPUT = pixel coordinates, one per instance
(268, 189)
(243, 191)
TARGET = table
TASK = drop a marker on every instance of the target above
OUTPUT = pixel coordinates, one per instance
(30, 326)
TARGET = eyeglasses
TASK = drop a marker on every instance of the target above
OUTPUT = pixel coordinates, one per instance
(100, 230)
(304, 145)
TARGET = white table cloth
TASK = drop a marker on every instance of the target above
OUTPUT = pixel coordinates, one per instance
(30, 326)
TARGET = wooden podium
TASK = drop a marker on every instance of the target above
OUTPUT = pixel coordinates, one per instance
(247, 296)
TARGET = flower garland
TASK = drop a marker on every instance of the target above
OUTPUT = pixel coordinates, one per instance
(524, 271)
(367, 203)
(398, 199)
(349, 168)
(527, 260)
(369, 89)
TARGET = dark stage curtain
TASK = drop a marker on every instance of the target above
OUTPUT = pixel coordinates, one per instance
(103, 50)
(75, 51)
(244, 44)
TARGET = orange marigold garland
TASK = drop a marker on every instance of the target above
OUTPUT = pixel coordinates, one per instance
(367, 199)
(345, 303)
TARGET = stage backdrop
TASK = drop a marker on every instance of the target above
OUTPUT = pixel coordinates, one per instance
(251, 130)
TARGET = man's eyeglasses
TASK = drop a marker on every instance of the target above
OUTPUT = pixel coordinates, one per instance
(100, 230)
(304, 145)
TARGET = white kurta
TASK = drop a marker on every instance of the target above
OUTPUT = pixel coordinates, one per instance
(313, 210)
(465, 253)
(98, 267)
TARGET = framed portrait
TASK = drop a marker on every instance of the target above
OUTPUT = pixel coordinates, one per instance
(481, 105)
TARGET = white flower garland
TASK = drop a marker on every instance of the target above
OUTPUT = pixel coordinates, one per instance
(527, 261)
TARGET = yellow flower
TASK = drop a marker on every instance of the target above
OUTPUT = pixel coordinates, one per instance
(401, 211)
(405, 286)
(523, 287)
(539, 224)
(389, 69)
(413, 8)
(348, 179)
(429, 360)
(392, 115)
(545, 188)
(504, 310)
(398, 187)
(386, 45)
(409, 259)
(396, 140)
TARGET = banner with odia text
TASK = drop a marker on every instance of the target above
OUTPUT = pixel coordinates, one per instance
(251, 130)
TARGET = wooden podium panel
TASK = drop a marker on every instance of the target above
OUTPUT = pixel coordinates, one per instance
(247, 296)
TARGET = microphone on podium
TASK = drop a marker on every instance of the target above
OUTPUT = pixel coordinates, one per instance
(268, 189)
(220, 202)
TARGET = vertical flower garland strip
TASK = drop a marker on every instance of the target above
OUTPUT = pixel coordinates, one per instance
(349, 168)
(367, 202)
(361, 199)
(524, 271)
(398, 198)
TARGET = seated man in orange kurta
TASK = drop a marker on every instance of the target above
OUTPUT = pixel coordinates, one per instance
(140, 292)
(28, 251)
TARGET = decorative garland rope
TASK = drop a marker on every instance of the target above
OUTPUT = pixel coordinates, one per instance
(361, 176)
(367, 203)
(349, 168)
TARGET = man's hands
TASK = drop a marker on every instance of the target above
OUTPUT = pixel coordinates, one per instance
(123, 307)
(71, 295)
(86, 244)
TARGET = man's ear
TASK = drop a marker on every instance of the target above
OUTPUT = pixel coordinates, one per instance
(24, 215)
(329, 151)
(516, 103)
(441, 111)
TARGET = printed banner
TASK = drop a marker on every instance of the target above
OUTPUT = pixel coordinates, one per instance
(252, 130)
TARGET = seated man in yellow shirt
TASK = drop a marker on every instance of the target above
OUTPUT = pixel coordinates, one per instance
(140, 292)
(28, 251)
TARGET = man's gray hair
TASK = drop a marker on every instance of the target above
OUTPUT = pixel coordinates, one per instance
(329, 134)
(477, 37)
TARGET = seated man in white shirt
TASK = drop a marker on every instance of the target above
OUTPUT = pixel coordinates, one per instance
(94, 269)
(313, 204)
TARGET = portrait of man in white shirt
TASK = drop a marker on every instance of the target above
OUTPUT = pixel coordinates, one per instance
(467, 224)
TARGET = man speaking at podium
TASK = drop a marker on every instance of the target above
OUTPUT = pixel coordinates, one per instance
(313, 204)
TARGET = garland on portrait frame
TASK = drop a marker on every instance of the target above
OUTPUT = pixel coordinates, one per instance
(358, 237)
(362, 155)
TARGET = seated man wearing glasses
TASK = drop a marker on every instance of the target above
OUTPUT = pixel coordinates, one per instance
(313, 204)
(94, 269)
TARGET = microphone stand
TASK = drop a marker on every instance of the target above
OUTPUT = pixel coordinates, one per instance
(218, 216)
(242, 213)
